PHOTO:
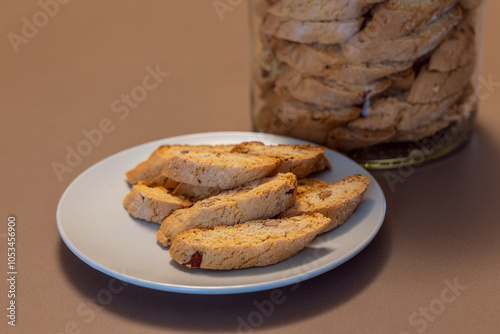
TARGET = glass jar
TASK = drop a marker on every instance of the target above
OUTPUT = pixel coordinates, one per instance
(386, 82)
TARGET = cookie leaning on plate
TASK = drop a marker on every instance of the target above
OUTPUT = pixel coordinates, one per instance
(150, 171)
(153, 204)
(336, 201)
(221, 170)
(259, 199)
(301, 160)
(255, 243)
(204, 174)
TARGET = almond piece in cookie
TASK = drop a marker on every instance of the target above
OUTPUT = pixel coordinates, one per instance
(255, 243)
(259, 199)
(153, 204)
(336, 201)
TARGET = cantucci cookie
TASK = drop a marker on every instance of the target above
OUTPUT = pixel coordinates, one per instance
(396, 18)
(321, 32)
(259, 199)
(456, 51)
(327, 93)
(322, 10)
(404, 48)
(301, 120)
(255, 243)
(301, 160)
(153, 204)
(150, 171)
(224, 171)
(328, 62)
(336, 201)
(434, 86)
(420, 132)
(412, 116)
(345, 138)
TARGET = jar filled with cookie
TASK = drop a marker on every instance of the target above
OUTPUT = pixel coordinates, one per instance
(386, 82)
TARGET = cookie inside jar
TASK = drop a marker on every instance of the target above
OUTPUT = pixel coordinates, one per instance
(387, 82)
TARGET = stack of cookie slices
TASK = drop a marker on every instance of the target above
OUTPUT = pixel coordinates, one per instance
(238, 206)
(350, 74)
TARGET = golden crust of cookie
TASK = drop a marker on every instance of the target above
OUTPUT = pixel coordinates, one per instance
(255, 243)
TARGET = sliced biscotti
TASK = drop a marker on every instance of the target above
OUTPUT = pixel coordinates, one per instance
(344, 138)
(150, 171)
(255, 243)
(336, 201)
(433, 86)
(259, 199)
(321, 32)
(322, 10)
(396, 18)
(458, 50)
(328, 62)
(301, 160)
(405, 48)
(224, 171)
(326, 93)
(153, 204)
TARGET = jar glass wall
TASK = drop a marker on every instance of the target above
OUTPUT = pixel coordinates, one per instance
(388, 83)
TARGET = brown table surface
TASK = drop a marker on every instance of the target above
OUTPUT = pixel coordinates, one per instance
(434, 266)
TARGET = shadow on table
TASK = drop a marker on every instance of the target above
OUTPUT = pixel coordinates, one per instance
(237, 312)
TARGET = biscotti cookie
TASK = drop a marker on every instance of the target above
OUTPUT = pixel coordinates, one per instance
(301, 160)
(307, 58)
(397, 18)
(434, 86)
(153, 204)
(405, 48)
(322, 10)
(259, 199)
(327, 93)
(458, 50)
(336, 201)
(412, 116)
(224, 171)
(150, 171)
(328, 62)
(255, 243)
(322, 32)
(345, 139)
(421, 132)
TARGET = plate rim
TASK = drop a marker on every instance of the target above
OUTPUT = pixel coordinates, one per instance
(215, 290)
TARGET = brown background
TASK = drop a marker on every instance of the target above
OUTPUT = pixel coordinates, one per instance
(442, 221)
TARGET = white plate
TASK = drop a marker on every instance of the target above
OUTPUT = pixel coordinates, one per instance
(95, 226)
